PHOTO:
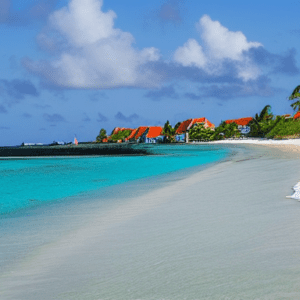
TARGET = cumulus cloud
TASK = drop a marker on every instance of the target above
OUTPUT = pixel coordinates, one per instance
(191, 54)
(220, 46)
(95, 53)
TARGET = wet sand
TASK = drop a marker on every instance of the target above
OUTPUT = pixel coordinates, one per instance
(227, 232)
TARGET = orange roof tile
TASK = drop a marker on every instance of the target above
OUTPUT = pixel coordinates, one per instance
(154, 131)
(133, 132)
(297, 115)
(140, 131)
(241, 121)
(184, 126)
(201, 120)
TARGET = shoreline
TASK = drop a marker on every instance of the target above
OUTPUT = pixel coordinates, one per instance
(289, 145)
(211, 235)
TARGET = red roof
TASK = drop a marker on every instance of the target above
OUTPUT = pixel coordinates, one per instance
(154, 131)
(105, 140)
(201, 120)
(133, 132)
(297, 115)
(184, 126)
(140, 131)
(241, 121)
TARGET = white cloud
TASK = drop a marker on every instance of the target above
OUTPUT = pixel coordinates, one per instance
(219, 45)
(190, 54)
(97, 55)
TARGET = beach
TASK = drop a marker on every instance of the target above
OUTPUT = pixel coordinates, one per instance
(225, 232)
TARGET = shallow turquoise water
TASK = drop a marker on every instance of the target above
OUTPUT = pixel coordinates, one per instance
(30, 182)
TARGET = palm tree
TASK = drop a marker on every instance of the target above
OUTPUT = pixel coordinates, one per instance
(295, 96)
(261, 123)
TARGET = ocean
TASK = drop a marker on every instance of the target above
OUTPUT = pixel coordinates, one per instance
(32, 182)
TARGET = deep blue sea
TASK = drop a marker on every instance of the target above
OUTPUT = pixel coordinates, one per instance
(29, 182)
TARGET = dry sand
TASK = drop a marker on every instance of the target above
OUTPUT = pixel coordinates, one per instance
(290, 145)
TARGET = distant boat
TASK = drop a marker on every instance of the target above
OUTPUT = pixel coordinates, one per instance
(75, 141)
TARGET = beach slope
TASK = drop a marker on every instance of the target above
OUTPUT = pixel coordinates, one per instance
(227, 232)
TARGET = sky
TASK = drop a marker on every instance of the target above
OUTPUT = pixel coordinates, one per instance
(71, 67)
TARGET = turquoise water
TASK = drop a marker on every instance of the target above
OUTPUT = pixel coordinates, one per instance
(30, 182)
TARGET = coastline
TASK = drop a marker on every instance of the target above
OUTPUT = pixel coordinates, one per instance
(216, 233)
(289, 145)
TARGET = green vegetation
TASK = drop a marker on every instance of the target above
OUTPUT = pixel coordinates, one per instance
(102, 135)
(121, 135)
(295, 96)
(285, 128)
(199, 133)
(169, 132)
(263, 123)
(226, 131)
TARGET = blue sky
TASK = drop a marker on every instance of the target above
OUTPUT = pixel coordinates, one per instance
(72, 67)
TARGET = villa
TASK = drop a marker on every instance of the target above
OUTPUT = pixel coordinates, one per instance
(242, 124)
(136, 134)
(185, 126)
(153, 134)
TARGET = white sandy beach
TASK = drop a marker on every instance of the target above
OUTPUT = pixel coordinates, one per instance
(227, 232)
(285, 145)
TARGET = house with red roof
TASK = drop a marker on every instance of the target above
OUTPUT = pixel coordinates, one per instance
(152, 135)
(185, 126)
(242, 124)
(119, 129)
(136, 134)
(131, 136)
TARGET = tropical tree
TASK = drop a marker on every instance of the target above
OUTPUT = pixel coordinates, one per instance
(199, 133)
(169, 132)
(295, 96)
(102, 135)
(121, 135)
(225, 130)
(263, 123)
(177, 125)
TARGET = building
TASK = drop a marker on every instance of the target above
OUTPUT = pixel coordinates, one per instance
(132, 135)
(136, 134)
(242, 124)
(185, 126)
(152, 135)
(120, 129)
